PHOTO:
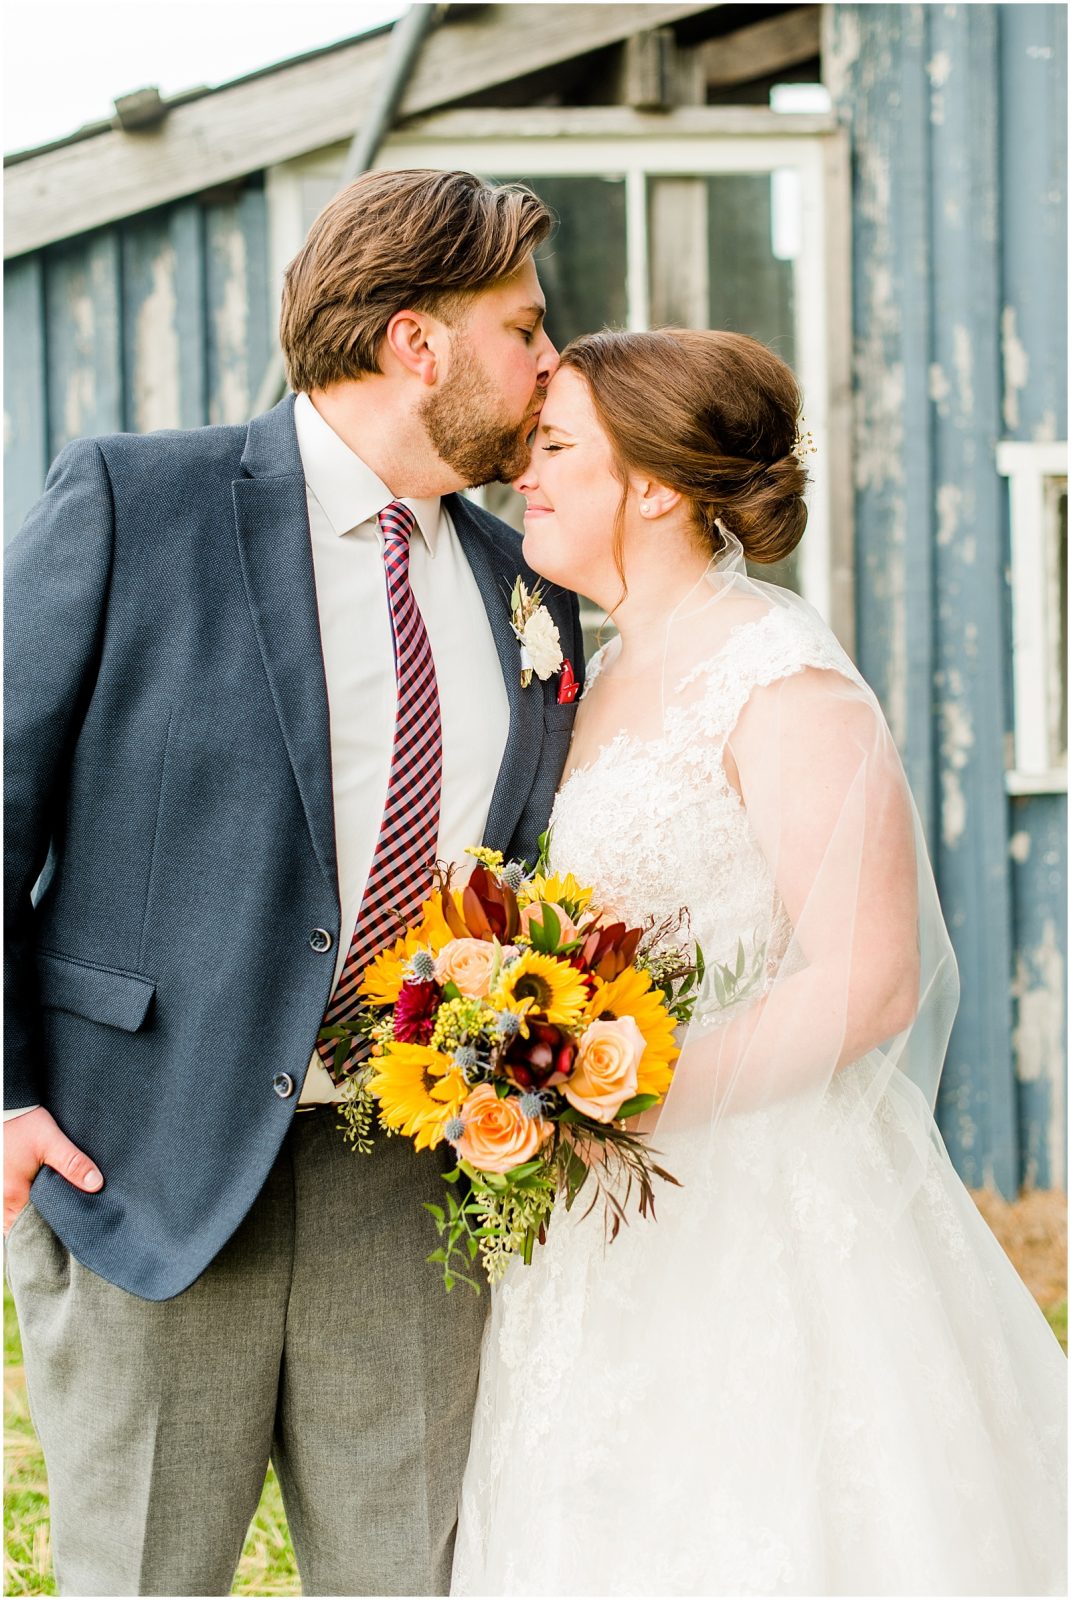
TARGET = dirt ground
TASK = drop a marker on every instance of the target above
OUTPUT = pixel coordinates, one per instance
(1033, 1231)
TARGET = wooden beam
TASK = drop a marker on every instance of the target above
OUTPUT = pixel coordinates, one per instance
(272, 117)
(764, 48)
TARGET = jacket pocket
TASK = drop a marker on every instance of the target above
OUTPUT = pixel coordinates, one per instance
(100, 994)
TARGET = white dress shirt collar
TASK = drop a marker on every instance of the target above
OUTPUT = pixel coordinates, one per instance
(347, 489)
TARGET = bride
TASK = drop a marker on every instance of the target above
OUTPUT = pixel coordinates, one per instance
(816, 1373)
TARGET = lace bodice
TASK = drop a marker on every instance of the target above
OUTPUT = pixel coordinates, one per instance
(656, 826)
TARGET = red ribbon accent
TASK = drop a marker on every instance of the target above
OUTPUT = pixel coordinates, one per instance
(568, 688)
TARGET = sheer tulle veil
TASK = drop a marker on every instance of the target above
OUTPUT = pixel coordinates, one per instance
(854, 979)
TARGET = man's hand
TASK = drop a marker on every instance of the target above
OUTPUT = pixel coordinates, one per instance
(31, 1142)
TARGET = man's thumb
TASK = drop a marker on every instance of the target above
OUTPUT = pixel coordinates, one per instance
(66, 1159)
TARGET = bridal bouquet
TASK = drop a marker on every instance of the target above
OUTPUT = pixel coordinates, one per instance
(521, 1025)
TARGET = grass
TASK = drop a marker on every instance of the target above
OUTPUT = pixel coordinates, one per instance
(267, 1566)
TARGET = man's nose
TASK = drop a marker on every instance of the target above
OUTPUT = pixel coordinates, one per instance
(549, 361)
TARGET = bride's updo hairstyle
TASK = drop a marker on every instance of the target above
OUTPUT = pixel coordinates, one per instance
(713, 415)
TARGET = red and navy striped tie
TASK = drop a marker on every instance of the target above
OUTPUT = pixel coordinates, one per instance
(400, 875)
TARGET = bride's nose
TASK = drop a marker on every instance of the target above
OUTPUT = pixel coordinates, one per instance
(527, 481)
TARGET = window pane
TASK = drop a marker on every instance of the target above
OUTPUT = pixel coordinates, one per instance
(721, 253)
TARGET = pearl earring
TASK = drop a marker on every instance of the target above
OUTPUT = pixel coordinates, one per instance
(645, 506)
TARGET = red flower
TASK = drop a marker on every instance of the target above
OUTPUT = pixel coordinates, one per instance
(542, 1060)
(568, 688)
(414, 1012)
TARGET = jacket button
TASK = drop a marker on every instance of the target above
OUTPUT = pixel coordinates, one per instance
(283, 1084)
(320, 940)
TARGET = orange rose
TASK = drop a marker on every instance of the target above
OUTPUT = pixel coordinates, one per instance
(468, 963)
(534, 913)
(606, 1066)
(498, 1136)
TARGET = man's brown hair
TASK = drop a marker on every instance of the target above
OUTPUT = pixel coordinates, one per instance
(391, 241)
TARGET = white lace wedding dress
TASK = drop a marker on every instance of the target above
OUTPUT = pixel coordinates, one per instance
(790, 1383)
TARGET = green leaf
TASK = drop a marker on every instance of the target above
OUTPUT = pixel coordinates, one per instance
(474, 1249)
(569, 1116)
(452, 1176)
(739, 958)
(633, 1107)
(700, 963)
(451, 991)
(502, 1089)
(436, 1211)
(546, 933)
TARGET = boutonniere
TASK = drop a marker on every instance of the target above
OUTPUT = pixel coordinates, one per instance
(541, 649)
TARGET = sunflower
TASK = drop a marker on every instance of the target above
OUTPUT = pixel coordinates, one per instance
(418, 1090)
(563, 891)
(384, 976)
(630, 995)
(544, 986)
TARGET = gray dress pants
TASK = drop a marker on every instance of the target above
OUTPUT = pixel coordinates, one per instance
(318, 1336)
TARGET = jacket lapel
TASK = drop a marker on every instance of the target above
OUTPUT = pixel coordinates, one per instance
(495, 569)
(274, 543)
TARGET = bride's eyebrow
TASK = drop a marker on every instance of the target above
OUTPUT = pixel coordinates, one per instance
(552, 427)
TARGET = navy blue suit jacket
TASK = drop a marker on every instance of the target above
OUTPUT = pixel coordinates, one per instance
(168, 790)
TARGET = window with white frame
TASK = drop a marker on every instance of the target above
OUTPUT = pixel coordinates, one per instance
(1037, 485)
(700, 217)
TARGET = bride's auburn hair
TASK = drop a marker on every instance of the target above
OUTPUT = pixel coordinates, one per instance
(715, 416)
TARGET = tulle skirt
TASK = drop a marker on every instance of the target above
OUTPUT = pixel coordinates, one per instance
(815, 1373)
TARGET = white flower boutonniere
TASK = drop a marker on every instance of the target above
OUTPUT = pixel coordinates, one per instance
(541, 650)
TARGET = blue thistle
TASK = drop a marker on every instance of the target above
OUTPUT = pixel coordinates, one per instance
(533, 1104)
(465, 1056)
(421, 968)
(512, 875)
(507, 1023)
(454, 1129)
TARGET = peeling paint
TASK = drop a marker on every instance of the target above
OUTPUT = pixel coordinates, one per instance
(939, 70)
(963, 363)
(968, 550)
(1019, 847)
(1016, 366)
(1038, 1036)
(957, 740)
(80, 394)
(155, 395)
(939, 388)
(845, 47)
(229, 319)
(1044, 432)
(949, 505)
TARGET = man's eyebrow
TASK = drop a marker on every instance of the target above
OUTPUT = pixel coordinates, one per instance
(535, 310)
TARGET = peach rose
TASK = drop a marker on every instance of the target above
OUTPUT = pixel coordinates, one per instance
(606, 1066)
(498, 1136)
(468, 963)
(534, 913)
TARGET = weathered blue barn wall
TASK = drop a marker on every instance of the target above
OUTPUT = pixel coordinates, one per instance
(159, 322)
(958, 121)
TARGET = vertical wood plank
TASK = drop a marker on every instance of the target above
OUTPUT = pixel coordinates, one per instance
(26, 453)
(85, 367)
(978, 1092)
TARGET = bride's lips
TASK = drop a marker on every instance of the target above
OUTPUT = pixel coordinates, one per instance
(537, 511)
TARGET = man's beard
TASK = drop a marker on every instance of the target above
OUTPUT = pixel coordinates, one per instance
(464, 423)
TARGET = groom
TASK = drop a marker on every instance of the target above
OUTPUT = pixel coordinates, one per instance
(256, 678)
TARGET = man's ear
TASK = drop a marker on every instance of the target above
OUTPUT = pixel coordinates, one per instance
(418, 343)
